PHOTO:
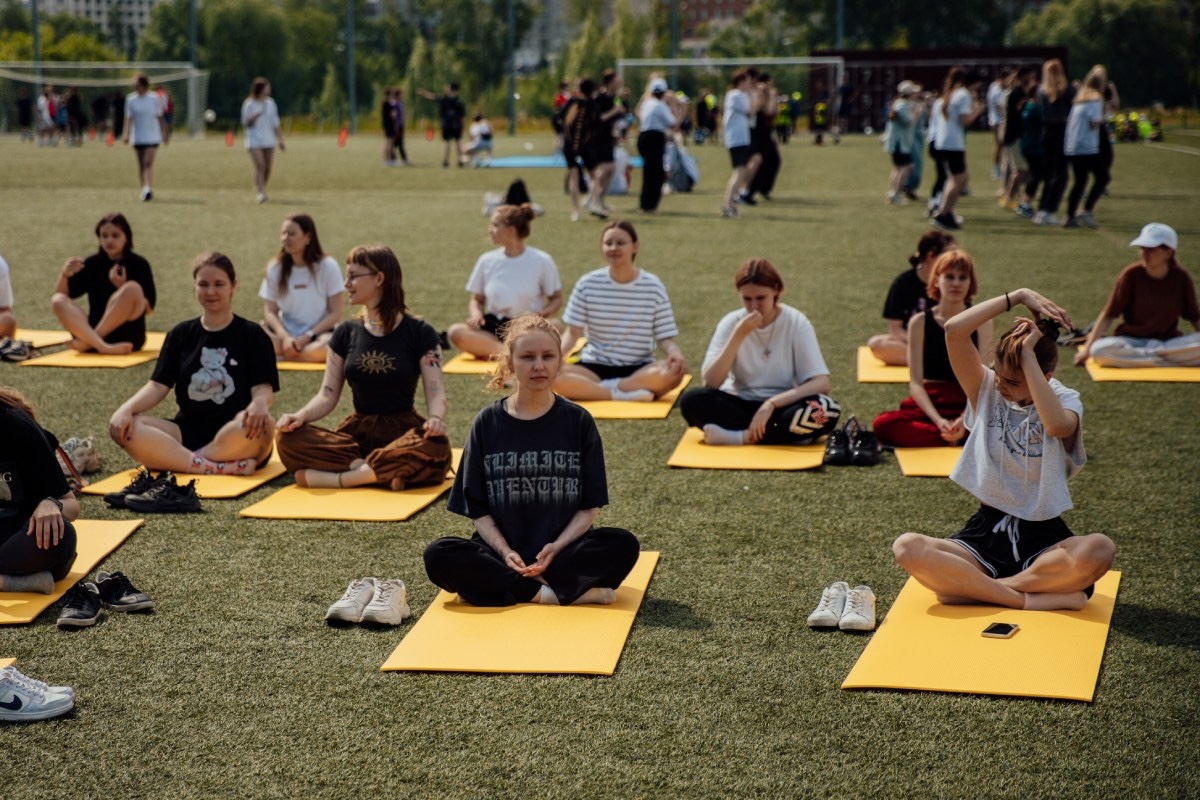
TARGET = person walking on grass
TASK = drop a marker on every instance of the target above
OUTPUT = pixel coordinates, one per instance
(146, 128)
(451, 114)
(1055, 98)
(959, 110)
(260, 120)
(740, 107)
(1085, 128)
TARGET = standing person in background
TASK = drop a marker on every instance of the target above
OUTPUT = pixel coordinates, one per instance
(841, 110)
(25, 115)
(655, 120)
(763, 142)
(740, 107)
(387, 120)
(900, 139)
(995, 117)
(560, 100)
(575, 117)
(960, 108)
(260, 119)
(1018, 165)
(100, 109)
(46, 108)
(1085, 129)
(1055, 97)
(76, 119)
(451, 113)
(399, 119)
(1031, 145)
(606, 110)
(118, 112)
(146, 130)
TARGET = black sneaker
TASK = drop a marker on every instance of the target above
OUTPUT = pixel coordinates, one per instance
(141, 483)
(82, 608)
(165, 497)
(120, 595)
(745, 198)
(837, 446)
(15, 350)
(946, 222)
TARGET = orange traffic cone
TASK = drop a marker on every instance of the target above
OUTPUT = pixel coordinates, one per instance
(92, 134)
(229, 138)
(429, 134)
(108, 139)
(343, 133)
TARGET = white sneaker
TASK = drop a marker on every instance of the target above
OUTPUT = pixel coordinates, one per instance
(389, 605)
(828, 612)
(1087, 220)
(1045, 218)
(350, 607)
(24, 699)
(859, 614)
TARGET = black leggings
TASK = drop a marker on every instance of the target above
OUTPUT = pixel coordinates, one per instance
(1083, 166)
(471, 568)
(398, 142)
(20, 555)
(1036, 174)
(651, 146)
(702, 407)
(1054, 165)
(939, 177)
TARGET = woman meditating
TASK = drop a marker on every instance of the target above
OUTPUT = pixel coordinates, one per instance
(120, 291)
(1150, 296)
(512, 280)
(907, 296)
(383, 355)
(1025, 443)
(37, 540)
(223, 370)
(623, 311)
(532, 481)
(765, 381)
(302, 293)
(932, 414)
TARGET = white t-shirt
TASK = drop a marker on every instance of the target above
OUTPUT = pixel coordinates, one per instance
(949, 127)
(142, 115)
(735, 121)
(995, 103)
(308, 293)
(623, 322)
(6, 295)
(1082, 139)
(1008, 461)
(794, 357)
(514, 286)
(260, 134)
(654, 115)
(934, 121)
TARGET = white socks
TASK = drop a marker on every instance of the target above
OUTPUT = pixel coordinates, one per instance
(632, 396)
(715, 434)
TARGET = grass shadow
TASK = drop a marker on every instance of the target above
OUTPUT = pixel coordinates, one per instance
(1163, 627)
(661, 613)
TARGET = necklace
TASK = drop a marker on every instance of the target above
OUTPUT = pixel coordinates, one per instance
(766, 346)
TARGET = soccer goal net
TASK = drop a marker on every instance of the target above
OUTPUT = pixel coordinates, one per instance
(806, 84)
(101, 87)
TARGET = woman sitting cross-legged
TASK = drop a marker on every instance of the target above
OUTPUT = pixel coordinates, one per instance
(302, 293)
(932, 414)
(223, 369)
(765, 381)
(511, 280)
(907, 297)
(37, 541)
(623, 311)
(532, 481)
(384, 442)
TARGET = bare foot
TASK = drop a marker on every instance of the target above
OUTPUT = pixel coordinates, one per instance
(78, 345)
(118, 349)
(301, 477)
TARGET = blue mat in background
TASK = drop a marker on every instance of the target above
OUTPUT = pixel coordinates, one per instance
(545, 161)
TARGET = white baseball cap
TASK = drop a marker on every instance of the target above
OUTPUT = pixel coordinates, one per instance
(658, 86)
(1156, 234)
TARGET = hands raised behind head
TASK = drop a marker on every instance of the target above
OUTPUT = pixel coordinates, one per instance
(1042, 307)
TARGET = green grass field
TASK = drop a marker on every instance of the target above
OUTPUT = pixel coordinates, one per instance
(235, 687)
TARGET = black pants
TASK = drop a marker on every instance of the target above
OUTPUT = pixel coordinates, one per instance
(652, 145)
(20, 555)
(702, 407)
(398, 142)
(1054, 166)
(1036, 175)
(940, 172)
(601, 557)
(1082, 167)
(768, 170)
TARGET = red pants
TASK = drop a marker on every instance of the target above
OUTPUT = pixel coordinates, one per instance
(909, 427)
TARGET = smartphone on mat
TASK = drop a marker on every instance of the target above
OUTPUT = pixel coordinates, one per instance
(1001, 630)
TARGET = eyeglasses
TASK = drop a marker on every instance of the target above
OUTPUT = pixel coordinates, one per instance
(350, 276)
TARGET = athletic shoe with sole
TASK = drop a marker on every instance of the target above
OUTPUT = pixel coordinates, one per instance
(82, 608)
(24, 699)
(1073, 222)
(352, 603)
(1087, 220)
(165, 497)
(119, 594)
(1045, 218)
(945, 222)
(15, 350)
(859, 613)
(828, 612)
(1024, 210)
(389, 606)
(141, 483)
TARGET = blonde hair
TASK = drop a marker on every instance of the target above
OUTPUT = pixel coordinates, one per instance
(514, 329)
(1093, 85)
(1054, 79)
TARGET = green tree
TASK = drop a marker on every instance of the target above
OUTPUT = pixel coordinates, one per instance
(14, 17)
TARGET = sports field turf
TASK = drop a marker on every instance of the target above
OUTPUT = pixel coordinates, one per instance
(234, 687)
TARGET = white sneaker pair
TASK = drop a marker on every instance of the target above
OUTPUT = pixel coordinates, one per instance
(845, 608)
(26, 699)
(371, 601)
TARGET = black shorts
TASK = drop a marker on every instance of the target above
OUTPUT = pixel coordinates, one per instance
(196, 434)
(901, 159)
(955, 160)
(451, 134)
(740, 156)
(1005, 545)
(606, 371)
(494, 325)
(142, 147)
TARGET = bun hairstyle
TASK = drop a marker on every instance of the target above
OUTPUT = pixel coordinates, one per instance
(931, 242)
(509, 333)
(952, 260)
(214, 259)
(1008, 349)
(515, 217)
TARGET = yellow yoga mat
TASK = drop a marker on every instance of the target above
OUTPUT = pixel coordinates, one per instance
(300, 366)
(96, 539)
(208, 487)
(357, 505)
(467, 364)
(4, 662)
(619, 409)
(872, 370)
(927, 462)
(41, 338)
(693, 453)
(927, 646)
(73, 358)
(1143, 374)
(528, 638)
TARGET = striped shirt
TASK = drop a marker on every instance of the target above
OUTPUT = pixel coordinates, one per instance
(622, 321)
